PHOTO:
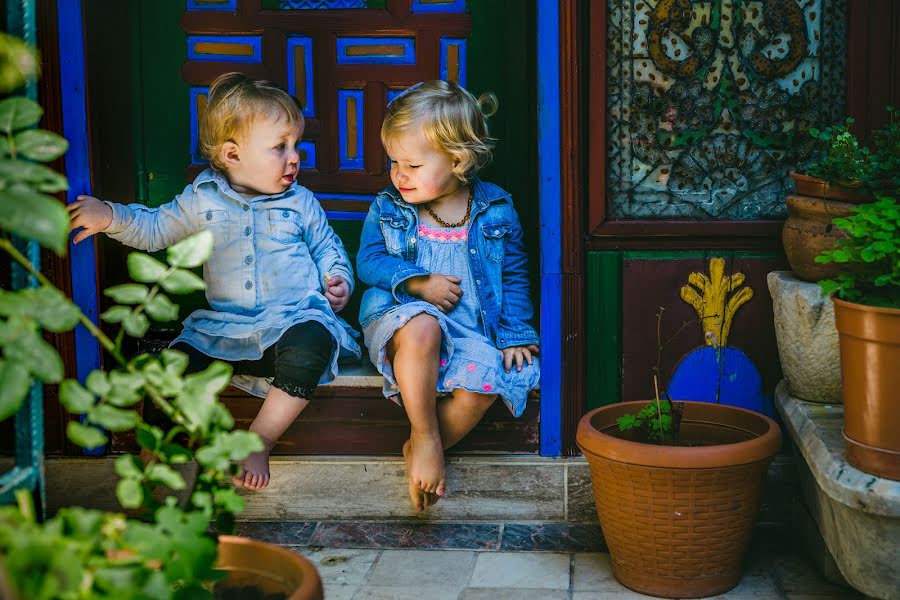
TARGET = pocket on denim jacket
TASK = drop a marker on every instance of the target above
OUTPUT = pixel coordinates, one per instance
(393, 230)
(495, 241)
(284, 226)
(218, 223)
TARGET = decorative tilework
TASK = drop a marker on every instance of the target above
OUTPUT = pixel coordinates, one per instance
(362, 534)
(553, 537)
(286, 533)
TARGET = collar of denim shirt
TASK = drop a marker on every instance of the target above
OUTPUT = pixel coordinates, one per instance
(483, 194)
(211, 175)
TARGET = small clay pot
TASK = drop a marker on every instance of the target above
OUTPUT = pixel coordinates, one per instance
(850, 193)
(808, 231)
(268, 569)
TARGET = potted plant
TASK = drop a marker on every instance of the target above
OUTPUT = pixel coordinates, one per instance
(884, 159)
(866, 301)
(826, 189)
(677, 487)
(83, 553)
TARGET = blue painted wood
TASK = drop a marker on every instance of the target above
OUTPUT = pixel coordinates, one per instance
(551, 224)
(226, 5)
(308, 160)
(445, 44)
(196, 157)
(337, 215)
(83, 260)
(407, 58)
(348, 162)
(436, 6)
(309, 109)
(254, 41)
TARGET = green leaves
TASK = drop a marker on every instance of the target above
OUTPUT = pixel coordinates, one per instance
(40, 145)
(49, 307)
(191, 252)
(654, 419)
(129, 293)
(180, 281)
(74, 397)
(16, 382)
(871, 253)
(32, 215)
(18, 113)
(42, 178)
(145, 268)
(85, 436)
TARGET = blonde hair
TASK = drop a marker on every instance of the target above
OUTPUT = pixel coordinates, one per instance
(451, 119)
(233, 103)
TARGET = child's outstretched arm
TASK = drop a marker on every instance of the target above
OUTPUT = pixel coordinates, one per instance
(376, 266)
(327, 251)
(517, 310)
(135, 225)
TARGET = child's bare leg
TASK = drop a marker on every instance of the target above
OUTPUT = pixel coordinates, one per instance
(278, 411)
(460, 413)
(414, 352)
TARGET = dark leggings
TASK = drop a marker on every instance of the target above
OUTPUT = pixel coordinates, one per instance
(296, 361)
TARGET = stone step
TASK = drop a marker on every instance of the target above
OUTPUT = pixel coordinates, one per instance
(490, 488)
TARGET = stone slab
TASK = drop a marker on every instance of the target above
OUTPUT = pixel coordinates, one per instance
(857, 514)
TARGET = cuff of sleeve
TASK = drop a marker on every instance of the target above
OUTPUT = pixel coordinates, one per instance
(400, 278)
(343, 272)
(525, 336)
(121, 218)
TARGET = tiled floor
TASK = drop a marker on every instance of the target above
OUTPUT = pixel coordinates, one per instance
(361, 561)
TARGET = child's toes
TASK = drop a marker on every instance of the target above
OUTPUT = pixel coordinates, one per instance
(441, 488)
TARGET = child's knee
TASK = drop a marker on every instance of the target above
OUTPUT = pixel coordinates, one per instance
(424, 331)
(302, 355)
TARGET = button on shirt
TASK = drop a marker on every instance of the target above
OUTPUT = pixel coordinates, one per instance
(265, 273)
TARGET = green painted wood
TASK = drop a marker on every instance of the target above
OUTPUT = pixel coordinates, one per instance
(604, 328)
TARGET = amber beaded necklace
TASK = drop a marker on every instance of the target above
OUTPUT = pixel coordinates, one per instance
(444, 223)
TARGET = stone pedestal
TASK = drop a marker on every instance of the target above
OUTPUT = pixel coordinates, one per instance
(807, 338)
(857, 514)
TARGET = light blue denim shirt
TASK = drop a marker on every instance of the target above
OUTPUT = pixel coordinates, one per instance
(387, 258)
(266, 272)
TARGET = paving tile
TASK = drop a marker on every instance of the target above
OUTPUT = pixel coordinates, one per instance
(513, 594)
(285, 533)
(626, 594)
(846, 595)
(420, 536)
(449, 569)
(553, 537)
(336, 591)
(542, 570)
(341, 565)
(593, 572)
(418, 592)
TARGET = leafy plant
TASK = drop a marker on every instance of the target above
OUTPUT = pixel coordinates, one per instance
(872, 253)
(91, 554)
(884, 177)
(841, 159)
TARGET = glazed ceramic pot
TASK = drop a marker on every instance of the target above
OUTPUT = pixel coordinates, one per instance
(808, 231)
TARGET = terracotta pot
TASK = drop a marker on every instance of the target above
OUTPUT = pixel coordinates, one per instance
(808, 231)
(805, 185)
(869, 341)
(272, 569)
(678, 519)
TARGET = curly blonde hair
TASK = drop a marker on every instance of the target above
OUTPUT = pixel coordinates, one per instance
(451, 118)
(233, 103)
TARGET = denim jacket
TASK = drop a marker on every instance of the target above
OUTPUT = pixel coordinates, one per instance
(387, 258)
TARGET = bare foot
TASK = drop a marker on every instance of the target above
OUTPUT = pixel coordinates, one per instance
(419, 497)
(255, 469)
(426, 463)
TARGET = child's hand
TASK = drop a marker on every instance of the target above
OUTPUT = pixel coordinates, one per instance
(337, 290)
(91, 215)
(519, 354)
(441, 290)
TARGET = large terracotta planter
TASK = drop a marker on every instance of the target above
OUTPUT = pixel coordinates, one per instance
(869, 341)
(808, 231)
(805, 185)
(678, 519)
(271, 569)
